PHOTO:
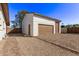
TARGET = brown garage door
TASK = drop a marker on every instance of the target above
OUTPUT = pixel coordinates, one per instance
(45, 29)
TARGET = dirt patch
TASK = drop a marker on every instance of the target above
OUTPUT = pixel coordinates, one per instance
(11, 47)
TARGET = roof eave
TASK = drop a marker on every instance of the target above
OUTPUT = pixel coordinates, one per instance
(5, 12)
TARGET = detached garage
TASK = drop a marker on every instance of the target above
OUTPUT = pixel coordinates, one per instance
(35, 24)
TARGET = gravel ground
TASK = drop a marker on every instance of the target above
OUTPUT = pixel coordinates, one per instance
(70, 41)
(30, 46)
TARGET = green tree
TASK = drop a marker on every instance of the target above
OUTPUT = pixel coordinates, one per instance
(75, 25)
(62, 26)
(69, 26)
(14, 24)
(19, 17)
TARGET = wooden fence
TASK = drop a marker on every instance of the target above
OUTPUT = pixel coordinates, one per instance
(73, 30)
(16, 30)
(70, 30)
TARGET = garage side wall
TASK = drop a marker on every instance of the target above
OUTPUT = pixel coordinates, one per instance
(25, 24)
(39, 20)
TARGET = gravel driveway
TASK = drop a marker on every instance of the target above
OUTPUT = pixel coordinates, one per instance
(69, 41)
(24, 46)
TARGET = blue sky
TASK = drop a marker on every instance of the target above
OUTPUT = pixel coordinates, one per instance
(67, 13)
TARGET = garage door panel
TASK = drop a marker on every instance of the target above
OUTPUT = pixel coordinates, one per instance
(45, 29)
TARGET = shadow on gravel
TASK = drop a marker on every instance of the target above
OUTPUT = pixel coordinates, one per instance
(11, 48)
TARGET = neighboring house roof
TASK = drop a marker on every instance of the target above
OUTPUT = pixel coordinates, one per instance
(5, 12)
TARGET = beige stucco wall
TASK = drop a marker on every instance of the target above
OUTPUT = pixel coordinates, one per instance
(26, 21)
